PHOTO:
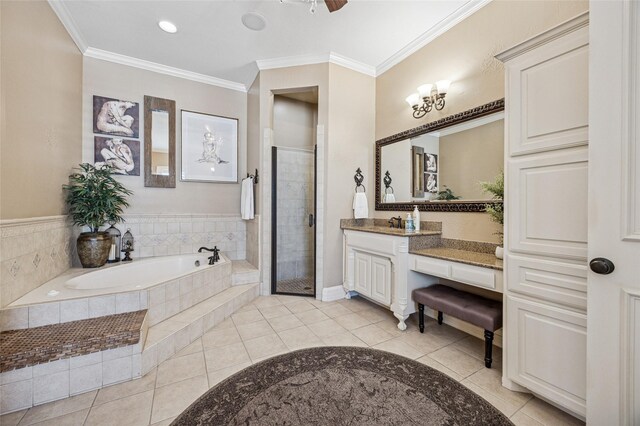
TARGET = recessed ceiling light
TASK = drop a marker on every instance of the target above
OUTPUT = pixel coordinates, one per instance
(254, 21)
(168, 27)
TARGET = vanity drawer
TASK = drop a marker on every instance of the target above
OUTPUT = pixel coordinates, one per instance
(437, 267)
(473, 275)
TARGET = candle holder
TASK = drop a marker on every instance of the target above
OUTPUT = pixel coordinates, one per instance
(114, 252)
(127, 245)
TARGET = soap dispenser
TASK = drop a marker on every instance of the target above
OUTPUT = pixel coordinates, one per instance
(409, 223)
(416, 218)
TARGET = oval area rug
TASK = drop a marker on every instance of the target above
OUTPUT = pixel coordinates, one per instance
(340, 386)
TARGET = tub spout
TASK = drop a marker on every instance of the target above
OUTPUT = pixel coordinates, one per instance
(204, 248)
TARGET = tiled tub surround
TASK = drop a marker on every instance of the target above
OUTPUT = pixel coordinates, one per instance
(79, 372)
(32, 252)
(163, 299)
(253, 241)
(161, 235)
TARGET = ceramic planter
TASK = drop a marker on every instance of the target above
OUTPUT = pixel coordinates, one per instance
(93, 248)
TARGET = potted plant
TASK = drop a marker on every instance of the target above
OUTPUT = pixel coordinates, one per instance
(94, 198)
(496, 210)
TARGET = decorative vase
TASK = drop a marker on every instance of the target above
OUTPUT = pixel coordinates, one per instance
(499, 252)
(93, 248)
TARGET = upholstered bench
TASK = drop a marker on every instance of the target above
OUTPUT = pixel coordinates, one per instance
(477, 310)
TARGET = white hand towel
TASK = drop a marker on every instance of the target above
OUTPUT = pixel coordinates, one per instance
(389, 198)
(246, 199)
(360, 206)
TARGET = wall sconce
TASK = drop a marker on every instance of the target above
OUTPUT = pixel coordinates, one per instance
(430, 98)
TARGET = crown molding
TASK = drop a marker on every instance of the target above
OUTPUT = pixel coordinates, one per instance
(331, 57)
(441, 27)
(69, 24)
(163, 69)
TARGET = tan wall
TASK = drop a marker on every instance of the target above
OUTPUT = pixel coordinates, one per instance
(123, 82)
(350, 145)
(470, 157)
(41, 98)
(254, 136)
(465, 55)
(294, 123)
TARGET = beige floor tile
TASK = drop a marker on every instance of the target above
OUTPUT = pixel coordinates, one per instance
(458, 361)
(243, 318)
(372, 334)
(132, 410)
(475, 347)
(274, 311)
(76, 418)
(264, 301)
(490, 379)
(520, 419)
(424, 342)
(548, 414)
(391, 327)
(148, 382)
(12, 419)
(217, 376)
(319, 303)
(357, 304)
(334, 310)
(192, 348)
(287, 300)
(344, 339)
(247, 308)
(312, 316)
(426, 360)
(175, 370)
(265, 346)
(255, 329)
(225, 356)
(444, 332)
(352, 321)
(299, 338)
(285, 322)
(171, 400)
(300, 306)
(375, 315)
(166, 422)
(399, 347)
(327, 328)
(223, 337)
(228, 323)
(507, 408)
(58, 408)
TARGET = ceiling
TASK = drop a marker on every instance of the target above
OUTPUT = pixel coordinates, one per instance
(212, 41)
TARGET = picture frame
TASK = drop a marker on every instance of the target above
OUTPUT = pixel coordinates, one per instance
(431, 163)
(116, 117)
(431, 183)
(123, 155)
(209, 148)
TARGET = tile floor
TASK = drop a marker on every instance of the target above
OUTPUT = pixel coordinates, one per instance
(279, 324)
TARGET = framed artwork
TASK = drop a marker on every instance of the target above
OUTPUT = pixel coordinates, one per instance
(431, 183)
(116, 117)
(121, 154)
(209, 148)
(431, 163)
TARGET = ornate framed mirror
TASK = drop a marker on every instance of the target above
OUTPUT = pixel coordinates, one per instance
(159, 142)
(456, 154)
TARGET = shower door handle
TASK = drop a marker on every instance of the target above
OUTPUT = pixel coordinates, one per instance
(312, 220)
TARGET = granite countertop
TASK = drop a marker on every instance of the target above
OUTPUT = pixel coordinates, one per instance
(387, 230)
(486, 260)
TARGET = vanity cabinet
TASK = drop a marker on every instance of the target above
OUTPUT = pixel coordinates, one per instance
(546, 177)
(372, 277)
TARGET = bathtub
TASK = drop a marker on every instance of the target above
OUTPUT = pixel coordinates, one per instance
(141, 274)
(165, 285)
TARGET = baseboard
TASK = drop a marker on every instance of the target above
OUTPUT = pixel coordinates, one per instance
(330, 294)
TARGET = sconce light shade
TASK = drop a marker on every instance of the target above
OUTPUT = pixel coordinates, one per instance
(425, 90)
(413, 100)
(443, 86)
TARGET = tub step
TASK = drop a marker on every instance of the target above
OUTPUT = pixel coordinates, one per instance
(243, 272)
(171, 335)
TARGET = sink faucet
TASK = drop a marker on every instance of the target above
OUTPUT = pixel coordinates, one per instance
(393, 220)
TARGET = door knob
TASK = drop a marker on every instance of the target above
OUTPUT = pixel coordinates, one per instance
(600, 265)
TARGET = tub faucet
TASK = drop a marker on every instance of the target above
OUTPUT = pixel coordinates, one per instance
(201, 249)
(216, 254)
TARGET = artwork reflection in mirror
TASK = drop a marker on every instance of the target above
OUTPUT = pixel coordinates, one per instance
(455, 160)
(160, 143)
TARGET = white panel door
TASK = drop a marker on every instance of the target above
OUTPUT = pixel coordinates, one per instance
(613, 378)
(381, 279)
(362, 277)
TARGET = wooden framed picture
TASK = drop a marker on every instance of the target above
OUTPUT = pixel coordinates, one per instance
(116, 117)
(123, 155)
(209, 148)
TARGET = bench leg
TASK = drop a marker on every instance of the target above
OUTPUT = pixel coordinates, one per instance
(488, 347)
(439, 317)
(421, 317)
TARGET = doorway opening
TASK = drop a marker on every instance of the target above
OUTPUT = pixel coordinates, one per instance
(293, 191)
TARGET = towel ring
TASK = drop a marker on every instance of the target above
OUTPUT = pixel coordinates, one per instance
(363, 188)
(386, 190)
(359, 178)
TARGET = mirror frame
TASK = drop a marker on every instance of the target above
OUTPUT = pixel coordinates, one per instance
(158, 104)
(434, 206)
